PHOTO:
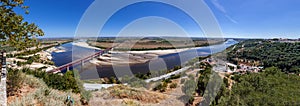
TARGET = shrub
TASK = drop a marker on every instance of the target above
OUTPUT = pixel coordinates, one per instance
(191, 100)
(15, 80)
(189, 87)
(167, 80)
(175, 76)
(55, 81)
(161, 87)
(173, 85)
(182, 81)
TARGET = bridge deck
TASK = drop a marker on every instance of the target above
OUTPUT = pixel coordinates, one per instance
(76, 62)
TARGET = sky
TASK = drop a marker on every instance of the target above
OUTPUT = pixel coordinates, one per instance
(237, 18)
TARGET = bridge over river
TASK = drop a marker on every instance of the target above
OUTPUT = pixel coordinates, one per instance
(79, 61)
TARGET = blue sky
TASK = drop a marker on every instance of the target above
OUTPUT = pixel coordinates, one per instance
(237, 18)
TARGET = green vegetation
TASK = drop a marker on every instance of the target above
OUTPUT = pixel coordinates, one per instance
(31, 59)
(49, 83)
(40, 93)
(134, 81)
(60, 82)
(173, 85)
(161, 87)
(271, 87)
(7, 48)
(29, 52)
(14, 81)
(189, 87)
(175, 76)
(153, 74)
(203, 80)
(14, 31)
(138, 79)
(195, 60)
(285, 56)
(274, 86)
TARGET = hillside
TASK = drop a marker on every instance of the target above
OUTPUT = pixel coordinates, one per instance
(34, 91)
(267, 53)
(269, 88)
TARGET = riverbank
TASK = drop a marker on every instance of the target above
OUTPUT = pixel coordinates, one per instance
(127, 57)
(116, 57)
(84, 44)
(44, 55)
(130, 57)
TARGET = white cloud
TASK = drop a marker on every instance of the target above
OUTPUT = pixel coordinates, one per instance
(219, 6)
(223, 10)
(231, 19)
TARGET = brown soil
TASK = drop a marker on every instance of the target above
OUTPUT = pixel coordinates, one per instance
(126, 96)
(122, 92)
(26, 89)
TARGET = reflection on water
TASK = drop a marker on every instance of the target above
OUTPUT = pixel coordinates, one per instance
(91, 71)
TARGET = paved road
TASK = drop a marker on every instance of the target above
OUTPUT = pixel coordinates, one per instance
(88, 86)
(168, 75)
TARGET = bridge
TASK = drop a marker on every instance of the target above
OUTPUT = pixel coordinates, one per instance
(79, 61)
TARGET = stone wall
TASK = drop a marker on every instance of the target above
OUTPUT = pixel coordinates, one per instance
(3, 74)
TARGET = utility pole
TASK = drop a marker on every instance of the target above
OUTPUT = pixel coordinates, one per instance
(3, 75)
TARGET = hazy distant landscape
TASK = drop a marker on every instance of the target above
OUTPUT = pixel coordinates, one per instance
(149, 53)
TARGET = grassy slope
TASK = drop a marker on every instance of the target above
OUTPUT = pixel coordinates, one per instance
(42, 95)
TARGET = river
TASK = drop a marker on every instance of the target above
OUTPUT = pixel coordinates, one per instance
(91, 71)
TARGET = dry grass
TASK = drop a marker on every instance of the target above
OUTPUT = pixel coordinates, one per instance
(40, 95)
(126, 96)
(122, 92)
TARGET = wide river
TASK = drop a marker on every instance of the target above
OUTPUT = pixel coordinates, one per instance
(92, 71)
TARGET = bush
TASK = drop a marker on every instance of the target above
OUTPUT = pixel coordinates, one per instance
(15, 81)
(225, 81)
(173, 85)
(85, 97)
(189, 87)
(55, 81)
(182, 81)
(191, 100)
(161, 87)
(175, 76)
(167, 80)
(134, 81)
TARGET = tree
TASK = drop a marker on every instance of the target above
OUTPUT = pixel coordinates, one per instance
(270, 87)
(189, 87)
(14, 31)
